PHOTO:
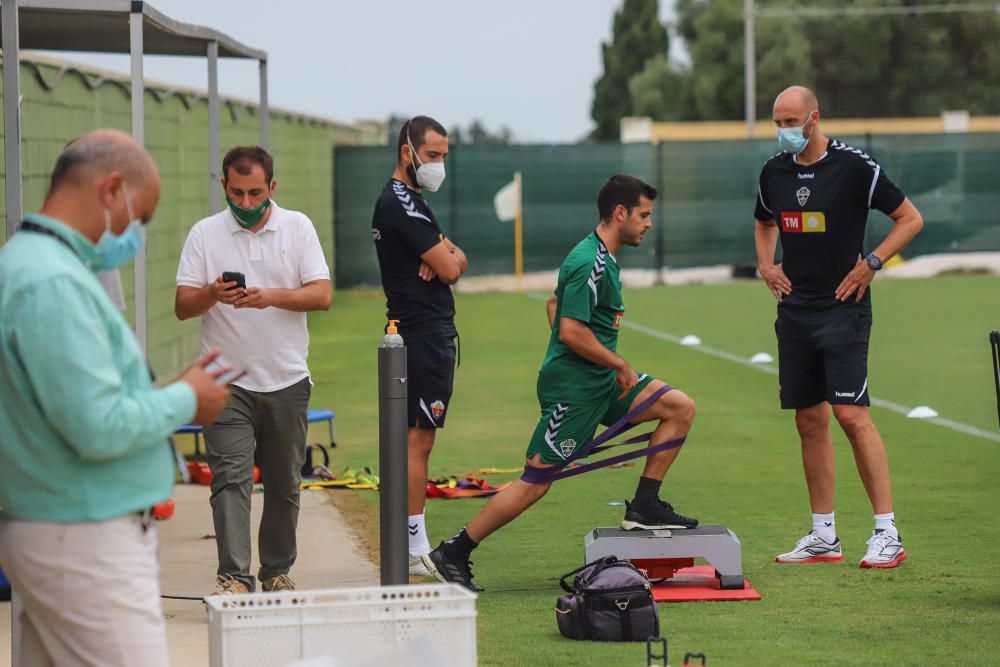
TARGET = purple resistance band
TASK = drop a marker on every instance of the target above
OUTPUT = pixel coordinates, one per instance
(535, 475)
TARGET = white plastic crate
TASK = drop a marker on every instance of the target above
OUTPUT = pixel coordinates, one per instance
(276, 629)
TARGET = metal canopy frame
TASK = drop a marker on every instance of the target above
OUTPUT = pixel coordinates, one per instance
(100, 26)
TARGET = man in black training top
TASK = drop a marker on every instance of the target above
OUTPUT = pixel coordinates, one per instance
(419, 265)
(816, 195)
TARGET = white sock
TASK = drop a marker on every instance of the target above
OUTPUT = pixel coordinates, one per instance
(418, 535)
(824, 527)
(886, 522)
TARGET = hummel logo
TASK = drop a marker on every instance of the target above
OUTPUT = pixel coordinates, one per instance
(844, 394)
(804, 175)
(409, 206)
(827, 523)
(413, 528)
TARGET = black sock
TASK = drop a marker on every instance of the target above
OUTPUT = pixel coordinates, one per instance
(460, 546)
(647, 490)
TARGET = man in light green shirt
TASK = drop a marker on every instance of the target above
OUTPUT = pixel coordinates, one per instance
(83, 431)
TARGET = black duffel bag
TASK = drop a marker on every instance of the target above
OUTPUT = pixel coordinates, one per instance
(609, 600)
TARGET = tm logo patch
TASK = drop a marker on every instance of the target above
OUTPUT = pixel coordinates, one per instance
(806, 221)
(437, 409)
(618, 320)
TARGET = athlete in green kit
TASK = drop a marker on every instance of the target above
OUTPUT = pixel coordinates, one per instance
(584, 383)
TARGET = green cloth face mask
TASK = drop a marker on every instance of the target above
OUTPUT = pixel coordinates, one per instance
(248, 217)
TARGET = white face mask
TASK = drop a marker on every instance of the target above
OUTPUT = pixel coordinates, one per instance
(430, 175)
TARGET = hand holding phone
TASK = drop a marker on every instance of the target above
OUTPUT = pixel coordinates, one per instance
(234, 276)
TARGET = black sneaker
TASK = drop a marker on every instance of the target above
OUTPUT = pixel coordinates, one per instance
(656, 515)
(450, 571)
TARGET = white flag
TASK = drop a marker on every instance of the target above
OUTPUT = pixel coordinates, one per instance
(507, 200)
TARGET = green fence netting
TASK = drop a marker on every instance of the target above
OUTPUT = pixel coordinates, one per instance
(704, 215)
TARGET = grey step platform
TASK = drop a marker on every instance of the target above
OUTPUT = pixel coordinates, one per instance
(715, 543)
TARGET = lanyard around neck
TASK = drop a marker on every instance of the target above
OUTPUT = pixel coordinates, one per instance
(29, 226)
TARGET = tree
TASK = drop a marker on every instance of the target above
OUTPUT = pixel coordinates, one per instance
(394, 125)
(663, 91)
(637, 35)
(859, 66)
(478, 133)
(713, 32)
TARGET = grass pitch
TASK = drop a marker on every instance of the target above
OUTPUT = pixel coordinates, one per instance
(741, 467)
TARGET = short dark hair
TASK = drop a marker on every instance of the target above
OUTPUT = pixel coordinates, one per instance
(243, 158)
(416, 130)
(622, 189)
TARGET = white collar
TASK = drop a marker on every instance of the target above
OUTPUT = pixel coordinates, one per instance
(795, 159)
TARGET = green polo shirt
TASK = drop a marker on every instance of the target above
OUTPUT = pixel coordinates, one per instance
(589, 290)
(83, 431)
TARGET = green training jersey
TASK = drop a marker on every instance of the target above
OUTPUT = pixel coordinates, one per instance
(589, 290)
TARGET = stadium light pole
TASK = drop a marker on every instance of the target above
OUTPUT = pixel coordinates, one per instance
(749, 69)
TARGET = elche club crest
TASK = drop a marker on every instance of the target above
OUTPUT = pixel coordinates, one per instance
(437, 409)
(567, 447)
(802, 194)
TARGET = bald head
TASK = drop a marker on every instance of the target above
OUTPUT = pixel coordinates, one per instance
(103, 181)
(796, 106)
(95, 155)
(799, 96)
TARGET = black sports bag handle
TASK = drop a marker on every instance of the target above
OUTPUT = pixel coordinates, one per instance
(599, 565)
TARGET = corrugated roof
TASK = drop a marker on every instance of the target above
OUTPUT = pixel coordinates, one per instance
(103, 25)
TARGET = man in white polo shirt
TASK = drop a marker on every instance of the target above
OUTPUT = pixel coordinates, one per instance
(260, 326)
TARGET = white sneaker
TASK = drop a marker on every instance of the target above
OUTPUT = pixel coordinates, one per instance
(417, 567)
(812, 549)
(884, 550)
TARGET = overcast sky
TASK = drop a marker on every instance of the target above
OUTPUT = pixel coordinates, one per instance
(526, 64)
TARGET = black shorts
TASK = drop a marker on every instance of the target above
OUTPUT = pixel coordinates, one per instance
(823, 355)
(430, 371)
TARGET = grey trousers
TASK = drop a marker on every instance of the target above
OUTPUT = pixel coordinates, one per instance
(276, 423)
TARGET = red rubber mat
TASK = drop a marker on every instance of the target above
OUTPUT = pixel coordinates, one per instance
(696, 583)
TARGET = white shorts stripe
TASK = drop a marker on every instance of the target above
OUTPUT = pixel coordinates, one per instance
(423, 406)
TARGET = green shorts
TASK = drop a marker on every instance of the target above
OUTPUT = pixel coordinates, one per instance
(566, 426)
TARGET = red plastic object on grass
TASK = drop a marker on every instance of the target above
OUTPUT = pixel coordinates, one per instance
(662, 568)
(164, 510)
(463, 488)
(200, 473)
(699, 583)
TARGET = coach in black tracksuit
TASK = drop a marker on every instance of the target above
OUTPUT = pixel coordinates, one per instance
(418, 265)
(815, 195)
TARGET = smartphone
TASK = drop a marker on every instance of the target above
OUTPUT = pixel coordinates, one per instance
(230, 276)
(227, 378)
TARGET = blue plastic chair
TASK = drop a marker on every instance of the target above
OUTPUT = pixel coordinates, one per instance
(312, 416)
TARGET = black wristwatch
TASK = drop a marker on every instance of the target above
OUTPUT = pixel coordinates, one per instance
(875, 263)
